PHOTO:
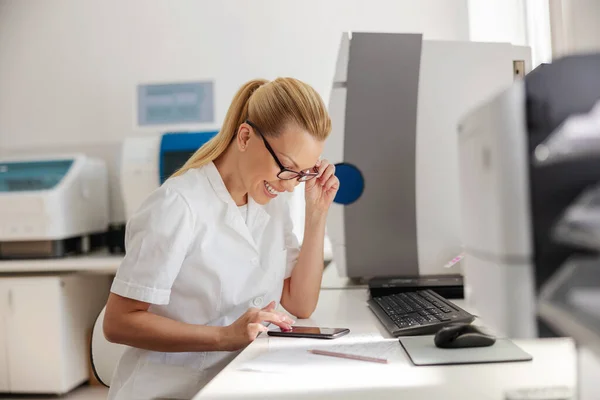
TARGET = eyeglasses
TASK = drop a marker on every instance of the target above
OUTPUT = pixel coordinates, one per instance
(286, 173)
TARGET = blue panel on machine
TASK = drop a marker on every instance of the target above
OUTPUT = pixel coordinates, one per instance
(352, 183)
(177, 147)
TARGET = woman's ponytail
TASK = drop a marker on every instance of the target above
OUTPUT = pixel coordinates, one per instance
(236, 115)
(273, 107)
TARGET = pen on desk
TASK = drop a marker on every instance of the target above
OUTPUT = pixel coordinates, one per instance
(348, 356)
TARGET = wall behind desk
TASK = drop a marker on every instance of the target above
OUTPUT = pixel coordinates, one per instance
(575, 27)
(69, 68)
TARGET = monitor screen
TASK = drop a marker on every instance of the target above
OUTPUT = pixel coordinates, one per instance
(172, 161)
(177, 147)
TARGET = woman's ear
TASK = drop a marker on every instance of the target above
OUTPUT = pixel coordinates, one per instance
(243, 137)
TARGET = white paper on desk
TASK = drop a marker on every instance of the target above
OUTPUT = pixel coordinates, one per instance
(296, 358)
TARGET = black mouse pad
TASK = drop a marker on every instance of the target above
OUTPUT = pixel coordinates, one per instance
(422, 351)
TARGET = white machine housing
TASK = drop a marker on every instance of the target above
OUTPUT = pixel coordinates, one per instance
(146, 162)
(77, 205)
(139, 171)
(423, 222)
(498, 267)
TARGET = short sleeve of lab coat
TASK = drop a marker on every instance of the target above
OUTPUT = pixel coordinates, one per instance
(157, 239)
(291, 243)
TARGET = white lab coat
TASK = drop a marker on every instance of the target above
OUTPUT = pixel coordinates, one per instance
(194, 258)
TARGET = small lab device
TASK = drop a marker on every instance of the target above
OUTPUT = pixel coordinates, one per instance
(146, 162)
(395, 104)
(52, 206)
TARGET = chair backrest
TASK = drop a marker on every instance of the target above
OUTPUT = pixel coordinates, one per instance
(104, 354)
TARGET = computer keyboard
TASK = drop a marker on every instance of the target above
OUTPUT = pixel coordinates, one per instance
(420, 312)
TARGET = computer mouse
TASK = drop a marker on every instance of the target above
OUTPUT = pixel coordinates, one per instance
(462, 335)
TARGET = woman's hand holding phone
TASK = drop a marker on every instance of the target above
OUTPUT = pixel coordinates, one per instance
(247, 327)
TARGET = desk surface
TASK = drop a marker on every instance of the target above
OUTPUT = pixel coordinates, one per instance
(554, 364)
(100, 262)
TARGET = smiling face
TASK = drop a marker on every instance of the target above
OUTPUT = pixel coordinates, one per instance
(295, 148)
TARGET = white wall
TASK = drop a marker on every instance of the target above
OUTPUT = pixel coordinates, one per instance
(519, 22)
(69, 68)
(575, 26)
(585, 20)
(539, 35)
(497, 21)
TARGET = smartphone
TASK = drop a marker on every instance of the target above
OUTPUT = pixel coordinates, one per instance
(310, 332)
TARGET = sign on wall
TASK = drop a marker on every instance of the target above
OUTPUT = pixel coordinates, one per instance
(175, 103)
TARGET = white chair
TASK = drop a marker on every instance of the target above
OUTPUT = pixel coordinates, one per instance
(104, 354)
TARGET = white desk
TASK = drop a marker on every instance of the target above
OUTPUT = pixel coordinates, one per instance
(554, 363)
(332, 280)
(100, 262)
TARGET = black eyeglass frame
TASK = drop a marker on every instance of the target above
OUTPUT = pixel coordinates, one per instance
(302, 176)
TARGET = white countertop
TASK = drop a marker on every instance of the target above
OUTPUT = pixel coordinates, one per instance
(100, 262)
(332, 280)
(103, 262)
(554, 363)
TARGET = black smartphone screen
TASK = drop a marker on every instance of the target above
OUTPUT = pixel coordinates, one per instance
(310, 331)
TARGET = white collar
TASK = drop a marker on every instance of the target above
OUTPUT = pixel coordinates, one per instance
(257, 215)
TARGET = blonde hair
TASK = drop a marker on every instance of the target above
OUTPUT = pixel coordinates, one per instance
(271, 106)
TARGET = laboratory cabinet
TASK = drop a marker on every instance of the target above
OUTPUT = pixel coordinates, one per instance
(44, 323)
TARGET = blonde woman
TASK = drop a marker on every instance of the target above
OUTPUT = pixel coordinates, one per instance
(211, 253)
